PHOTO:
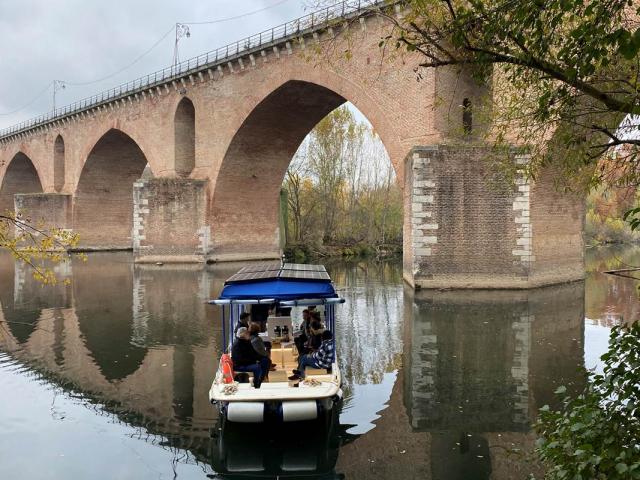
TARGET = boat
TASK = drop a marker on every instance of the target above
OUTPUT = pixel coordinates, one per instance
(280, 288)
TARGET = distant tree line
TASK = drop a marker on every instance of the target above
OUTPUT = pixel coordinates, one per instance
(341, 194)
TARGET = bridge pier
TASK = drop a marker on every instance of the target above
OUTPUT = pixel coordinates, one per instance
(463, 232)
(170, 220)
(45, 210)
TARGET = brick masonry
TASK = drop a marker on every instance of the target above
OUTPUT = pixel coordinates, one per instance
(45, 210)
(236, 126)
(169, 220)
(465, 232)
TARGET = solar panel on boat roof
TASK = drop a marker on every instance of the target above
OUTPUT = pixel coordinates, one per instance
(260, 267)
(244, 276)
(304, 274)
(268, 270)
(304, 267)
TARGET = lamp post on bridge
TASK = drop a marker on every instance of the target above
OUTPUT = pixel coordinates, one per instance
(57, 85)
(182, 30)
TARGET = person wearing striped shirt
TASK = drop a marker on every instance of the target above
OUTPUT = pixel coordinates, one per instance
(321, 358)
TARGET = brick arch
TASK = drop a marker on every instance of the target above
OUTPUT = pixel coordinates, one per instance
(103, 199)
(36, 156)
(356, 91)
(20, 176)
(94, 137)
(245, 201)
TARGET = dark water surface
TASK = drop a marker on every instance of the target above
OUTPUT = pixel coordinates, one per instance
(107, 378)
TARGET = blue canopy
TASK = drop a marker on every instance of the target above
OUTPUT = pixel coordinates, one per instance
(278, 289)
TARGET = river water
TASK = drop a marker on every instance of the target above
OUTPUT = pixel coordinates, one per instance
(107, 377)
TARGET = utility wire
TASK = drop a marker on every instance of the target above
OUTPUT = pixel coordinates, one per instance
(236, 17)
(166, 34)
(31, 102)
(144, 54)
(140, 57)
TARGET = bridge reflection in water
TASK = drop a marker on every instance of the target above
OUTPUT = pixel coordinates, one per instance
(439, 385)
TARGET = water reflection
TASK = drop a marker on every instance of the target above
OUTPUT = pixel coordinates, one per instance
(23, 300)
(612, 300)
(287, 451)
(437, 384)
(482, 363)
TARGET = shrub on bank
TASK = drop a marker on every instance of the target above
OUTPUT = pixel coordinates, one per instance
(596, 434)
(599, 229)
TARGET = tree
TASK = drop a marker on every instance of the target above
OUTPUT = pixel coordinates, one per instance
(334, 143)
(565, 73)
(38, 247)
(596, 434)
(342, 189)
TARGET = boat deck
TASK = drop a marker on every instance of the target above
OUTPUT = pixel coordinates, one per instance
(278, 387)
(278, 391)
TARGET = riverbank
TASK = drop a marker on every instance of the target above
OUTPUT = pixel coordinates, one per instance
(304, 253)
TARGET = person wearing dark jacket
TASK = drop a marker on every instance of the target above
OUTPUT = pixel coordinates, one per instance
(305, 332)
(247, 356)
(243, 322)
(315, 338)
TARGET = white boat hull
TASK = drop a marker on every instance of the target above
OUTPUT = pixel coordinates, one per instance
(242, 403)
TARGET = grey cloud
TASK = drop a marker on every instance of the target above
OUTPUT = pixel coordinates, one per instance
(80, 40)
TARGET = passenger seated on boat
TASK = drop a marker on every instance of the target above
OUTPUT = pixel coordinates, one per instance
(246, 358)
(305, 332)
(260, 314)
(259, 345)
(322, 358)
(315, 339)
(243, 322)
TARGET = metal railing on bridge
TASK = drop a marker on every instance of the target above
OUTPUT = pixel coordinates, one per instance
(290, 30)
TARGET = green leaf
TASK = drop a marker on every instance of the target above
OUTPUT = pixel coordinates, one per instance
(560, 390)
(621, 467)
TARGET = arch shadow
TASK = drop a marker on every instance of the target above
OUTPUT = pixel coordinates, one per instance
(184, 122)
(103, 201)
(20, 176)
(58, 164)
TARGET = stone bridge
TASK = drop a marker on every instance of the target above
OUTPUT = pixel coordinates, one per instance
(204, 147)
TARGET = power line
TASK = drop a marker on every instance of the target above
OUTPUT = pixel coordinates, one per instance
(31, 102)
(236, 17)
(166, 34)
(140, 57)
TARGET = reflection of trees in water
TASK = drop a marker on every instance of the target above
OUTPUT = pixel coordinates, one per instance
(127, 314)
(611, 299)
(370, 323)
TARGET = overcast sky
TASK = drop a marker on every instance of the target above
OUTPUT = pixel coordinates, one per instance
(84, 40)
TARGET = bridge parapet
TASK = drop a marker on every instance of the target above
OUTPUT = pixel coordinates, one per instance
(206, 66)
